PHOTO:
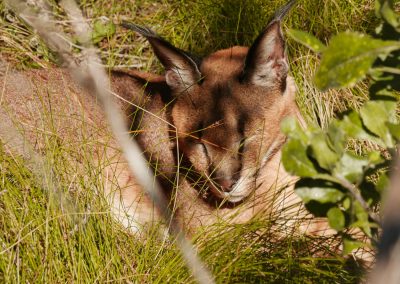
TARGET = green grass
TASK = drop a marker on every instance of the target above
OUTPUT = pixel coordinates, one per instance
(41, 241)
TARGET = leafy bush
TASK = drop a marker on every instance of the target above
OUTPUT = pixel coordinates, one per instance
(335, 182)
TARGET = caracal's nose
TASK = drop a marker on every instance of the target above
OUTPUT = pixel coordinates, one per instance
(226, 184)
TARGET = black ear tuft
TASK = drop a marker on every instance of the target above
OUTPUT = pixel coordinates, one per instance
(182, 68)
(144, 31)
(152, 36)
(282, 12)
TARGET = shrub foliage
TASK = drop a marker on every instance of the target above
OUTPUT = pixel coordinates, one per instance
(335, 182)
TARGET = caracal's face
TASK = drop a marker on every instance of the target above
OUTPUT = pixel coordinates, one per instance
(228, 108)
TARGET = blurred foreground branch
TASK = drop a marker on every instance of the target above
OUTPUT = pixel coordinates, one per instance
(93, 77)
(387, 269)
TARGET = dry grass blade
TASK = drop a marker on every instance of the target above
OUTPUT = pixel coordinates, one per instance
(94, 79)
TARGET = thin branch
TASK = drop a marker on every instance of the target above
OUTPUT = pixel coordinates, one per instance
(356, 194)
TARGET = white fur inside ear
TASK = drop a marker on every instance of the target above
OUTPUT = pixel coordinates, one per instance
(269, 43)
(180, 79)
(269, 66)
(270, 72)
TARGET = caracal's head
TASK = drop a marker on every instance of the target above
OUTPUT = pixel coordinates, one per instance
(228, 107)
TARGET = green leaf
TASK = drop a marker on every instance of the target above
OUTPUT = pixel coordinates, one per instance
(346, 203)
(307, 39)
(102, 30)
(375, 115)
(384, 9)
(337, 136)
(295, 159)
(336, 219)
(320, 194)
(362, 219)
(324, 155)
(375, 158)
(350, 167)
(394, 129)
(351, 124)
(350, 244)
(291, 128)
(349, 57)
(382, 183)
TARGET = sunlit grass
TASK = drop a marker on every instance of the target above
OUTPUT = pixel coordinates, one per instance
(43, 240)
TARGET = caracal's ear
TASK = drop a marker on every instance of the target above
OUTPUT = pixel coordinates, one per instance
(266, 62)
(182, 69)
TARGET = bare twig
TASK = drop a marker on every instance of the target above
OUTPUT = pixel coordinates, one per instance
(356, 194)
(95, 80)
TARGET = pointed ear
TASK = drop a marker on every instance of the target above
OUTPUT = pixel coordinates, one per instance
(266, 63)
(182, 69)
